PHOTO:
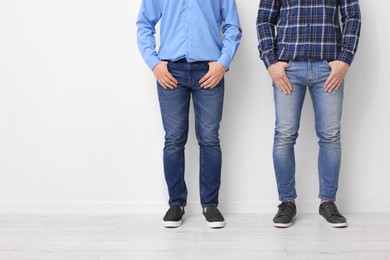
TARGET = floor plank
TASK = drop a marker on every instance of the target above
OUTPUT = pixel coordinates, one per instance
(142, 237)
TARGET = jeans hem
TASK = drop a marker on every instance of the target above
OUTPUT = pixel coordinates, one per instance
(287, 199)
(177, 204)
(210, 204)
(327, 198)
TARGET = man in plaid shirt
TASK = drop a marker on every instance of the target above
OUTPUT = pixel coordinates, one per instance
(303, 47)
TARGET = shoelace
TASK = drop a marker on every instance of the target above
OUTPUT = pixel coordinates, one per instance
(283, 208)
(333, 209)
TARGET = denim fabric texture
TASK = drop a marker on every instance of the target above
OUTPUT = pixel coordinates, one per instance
(308, 75)
(208, 105)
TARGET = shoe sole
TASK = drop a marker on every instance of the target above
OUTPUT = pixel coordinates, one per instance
(216, 224)
(335, 225)
(172, 224)
(283, 225)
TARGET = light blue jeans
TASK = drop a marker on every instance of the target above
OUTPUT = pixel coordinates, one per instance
(327, 109)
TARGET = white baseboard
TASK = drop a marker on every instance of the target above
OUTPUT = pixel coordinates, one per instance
(192, 207)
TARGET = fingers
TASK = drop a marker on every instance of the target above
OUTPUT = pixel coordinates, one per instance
(211, 82)
(171, 78)
(339, 70)
(284, 85)
(207, 84)
(277, 72)
(164, 77)
(162, 84)
(213, 76)
(332, 83)
(287, 85)
(205, 78)
(167, 82)
(328, 81)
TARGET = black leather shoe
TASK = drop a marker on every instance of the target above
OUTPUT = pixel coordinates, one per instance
(286, 213)
(213, 217)
(329, 212)
(173, 217)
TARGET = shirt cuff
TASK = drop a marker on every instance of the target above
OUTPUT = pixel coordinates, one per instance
(346, 57)
(269, 59)
(153, 61)
(225, 61)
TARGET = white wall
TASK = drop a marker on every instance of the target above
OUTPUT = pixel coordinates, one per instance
(80, 129)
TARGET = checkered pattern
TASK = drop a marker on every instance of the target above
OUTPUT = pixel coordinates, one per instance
(308, 30)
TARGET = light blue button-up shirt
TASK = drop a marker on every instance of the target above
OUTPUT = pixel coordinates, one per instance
(189, 29)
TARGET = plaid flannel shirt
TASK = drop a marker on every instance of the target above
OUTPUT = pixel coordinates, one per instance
(308, 30)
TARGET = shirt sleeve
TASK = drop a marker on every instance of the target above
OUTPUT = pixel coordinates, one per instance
(148, 17)
(266, 23)
(351, 19)
(232, 32)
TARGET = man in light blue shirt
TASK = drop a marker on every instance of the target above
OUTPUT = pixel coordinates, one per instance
(192, 60)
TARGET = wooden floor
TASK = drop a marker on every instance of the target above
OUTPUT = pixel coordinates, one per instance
(142, 237)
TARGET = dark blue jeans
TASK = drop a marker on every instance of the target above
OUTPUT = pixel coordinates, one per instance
(174, 105)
